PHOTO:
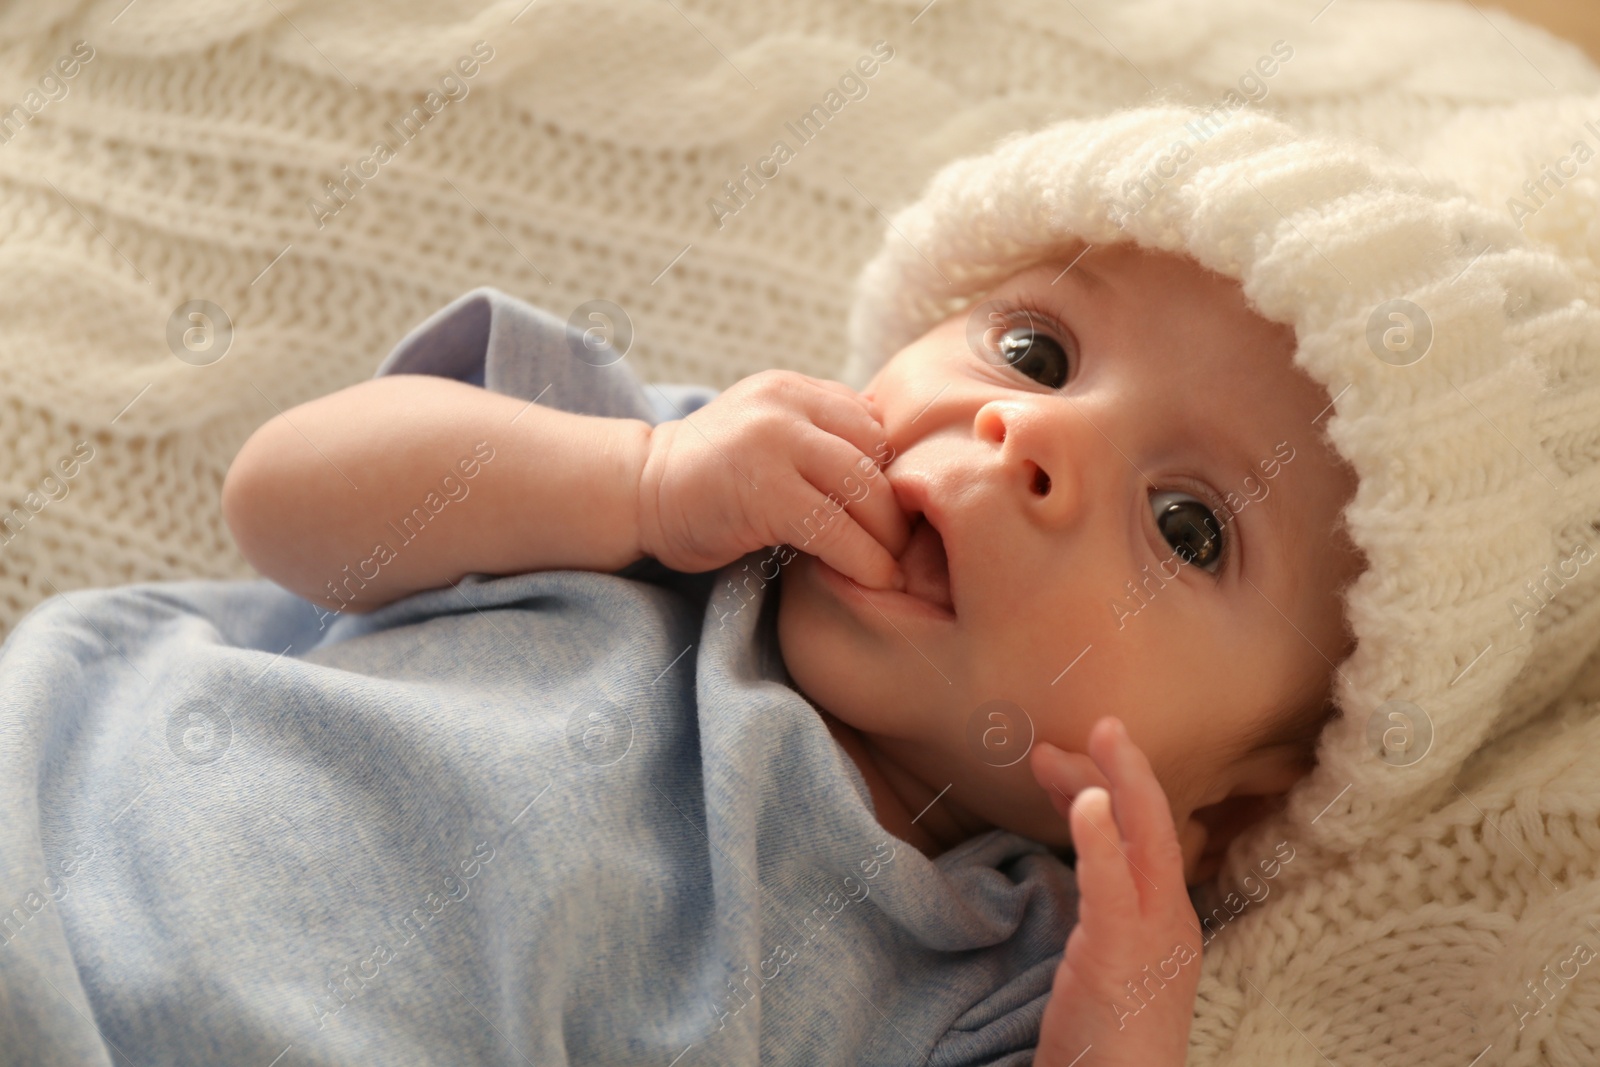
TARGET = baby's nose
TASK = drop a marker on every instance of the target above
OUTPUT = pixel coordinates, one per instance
(1041, 480)
(1033, 457)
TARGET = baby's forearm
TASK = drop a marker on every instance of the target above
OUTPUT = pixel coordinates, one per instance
(316, 494)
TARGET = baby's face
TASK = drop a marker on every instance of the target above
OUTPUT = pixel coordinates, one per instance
(1106, 431)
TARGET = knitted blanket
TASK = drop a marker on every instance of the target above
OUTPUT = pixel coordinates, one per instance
(212, 212)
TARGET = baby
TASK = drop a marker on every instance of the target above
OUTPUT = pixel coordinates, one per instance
(1069, 566)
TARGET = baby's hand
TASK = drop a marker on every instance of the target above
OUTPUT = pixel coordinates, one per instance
(757, 466)
(1124, 992)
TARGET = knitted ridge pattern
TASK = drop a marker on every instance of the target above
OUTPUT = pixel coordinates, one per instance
(198, 229)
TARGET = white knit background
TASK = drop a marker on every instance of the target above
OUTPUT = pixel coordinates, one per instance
(179, 165)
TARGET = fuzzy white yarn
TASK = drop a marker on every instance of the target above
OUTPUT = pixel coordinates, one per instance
(178, 164)
(1453, 879)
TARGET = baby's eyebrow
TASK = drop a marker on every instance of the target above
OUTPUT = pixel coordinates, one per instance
(1079, 272)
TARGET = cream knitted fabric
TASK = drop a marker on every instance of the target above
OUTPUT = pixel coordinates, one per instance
(580, 161)
(1450, 872)
(178, 162)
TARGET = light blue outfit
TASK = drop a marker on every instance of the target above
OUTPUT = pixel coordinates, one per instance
(565, 817)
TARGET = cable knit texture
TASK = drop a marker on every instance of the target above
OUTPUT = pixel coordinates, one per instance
(581, 161)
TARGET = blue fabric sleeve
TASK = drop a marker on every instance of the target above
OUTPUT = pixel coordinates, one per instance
(486, 337)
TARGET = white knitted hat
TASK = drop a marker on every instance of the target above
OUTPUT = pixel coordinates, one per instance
(1478, 507)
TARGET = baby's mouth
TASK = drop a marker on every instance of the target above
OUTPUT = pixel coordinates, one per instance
(926, 566)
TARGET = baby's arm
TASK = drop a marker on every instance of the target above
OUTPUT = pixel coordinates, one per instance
(313, 491)
(1125, 990)
(316, 488)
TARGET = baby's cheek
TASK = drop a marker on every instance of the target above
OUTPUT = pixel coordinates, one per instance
(1080, 681)
(791, 636)
(809, 638)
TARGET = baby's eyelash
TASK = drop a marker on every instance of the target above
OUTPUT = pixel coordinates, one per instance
(1226, 531)
(1023, 308)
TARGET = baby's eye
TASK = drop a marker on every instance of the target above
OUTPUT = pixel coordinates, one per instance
(1036, 354)
(1190, 526)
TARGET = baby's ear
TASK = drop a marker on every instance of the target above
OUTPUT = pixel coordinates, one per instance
(1192, 837)
(1257, 787)
(1210, 830)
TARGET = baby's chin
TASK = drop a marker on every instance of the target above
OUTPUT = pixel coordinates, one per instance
(827, 664)
(814, 639)
(800, 625)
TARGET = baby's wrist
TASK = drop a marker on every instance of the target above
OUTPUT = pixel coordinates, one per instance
(643, 462)
(574, 502)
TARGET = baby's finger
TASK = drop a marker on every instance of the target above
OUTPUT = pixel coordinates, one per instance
(1107, 904)
(838, 387)
(1063, 775)
(1143, 812)
(861, 398)
(827, 531)
(848, 415)
(833, 465)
